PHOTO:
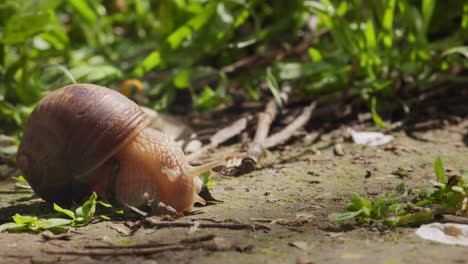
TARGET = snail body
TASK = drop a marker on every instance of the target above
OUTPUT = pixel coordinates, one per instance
(83, 138)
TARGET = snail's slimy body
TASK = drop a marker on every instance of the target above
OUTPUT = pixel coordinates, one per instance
(77, 134)
(152, 167)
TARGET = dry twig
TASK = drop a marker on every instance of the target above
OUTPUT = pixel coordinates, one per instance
(261, 142)
(454, 219)
(117, 252)
(161, 224)
(209, 242)
(256, 148)
(288, 131)
(221, 136)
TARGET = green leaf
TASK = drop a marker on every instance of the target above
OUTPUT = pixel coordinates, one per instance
(151, 61)
(64, 211)
(340, 217)
(5, 138)
(397, 207)
(175, 39)
(458, 189)
(464, 175)
(464, 21)
(194, 24)
(392, 221)
(39, 5)
(83, 10)
(401, 190)
(105, 217)
(415, 218)
(19, 219)
(437, 183)
(206, 178)
(20, 179)
(291, 70)
(387, 23)
(314, 54)
(57, 67)
(439, 170)
(273, 86)
(427, 11)
(207, 99)
(89, 207)
(94, 73)
(357, 202)
(21, 27)
(104, 204)
(463, 50)
(55, 222)
(11, 226)
(182, 79)
(9, 150)
(369, 33)
(375, 116)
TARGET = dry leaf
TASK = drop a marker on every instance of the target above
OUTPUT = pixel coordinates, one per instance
(371, 139)
(452, 234)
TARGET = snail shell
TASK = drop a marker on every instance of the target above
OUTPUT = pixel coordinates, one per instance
(75, 132)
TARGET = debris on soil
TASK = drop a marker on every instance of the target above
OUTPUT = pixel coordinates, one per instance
(452, 234)
(400, 149)
(371, 139)
(220, 137)
(303, 260)
(179, 131)
(338, 150)
(136, 210)
(262, 142)
(299, 244)
(155, 222)
(402, 173)
(454, 219)
(208, 242)
(48, 235)
(207, 196)
(121, 229)
(161, 209)
(300, 220)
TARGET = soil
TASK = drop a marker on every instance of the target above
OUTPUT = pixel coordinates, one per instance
(292, 192)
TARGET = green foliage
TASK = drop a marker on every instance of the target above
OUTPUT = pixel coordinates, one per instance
(33, 224)
(403, 207)
(21, 183)
(206, 178)
(80, 217)
(205, 47)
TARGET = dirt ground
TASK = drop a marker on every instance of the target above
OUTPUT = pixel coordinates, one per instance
(292, 193)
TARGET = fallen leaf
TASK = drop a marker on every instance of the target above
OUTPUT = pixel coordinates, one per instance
(371, 139)
(452, 234)
(299, 244)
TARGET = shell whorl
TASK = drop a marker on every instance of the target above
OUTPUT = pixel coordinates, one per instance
(71, 132)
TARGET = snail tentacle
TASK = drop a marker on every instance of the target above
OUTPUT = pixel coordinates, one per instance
(197, 170)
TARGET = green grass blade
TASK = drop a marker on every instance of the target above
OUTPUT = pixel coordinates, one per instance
(439, 170)
(427, 11)
(387, 23)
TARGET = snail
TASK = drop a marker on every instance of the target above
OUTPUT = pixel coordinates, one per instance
(84, 138)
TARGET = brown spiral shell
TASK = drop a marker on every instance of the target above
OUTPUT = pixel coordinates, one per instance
(70, 133)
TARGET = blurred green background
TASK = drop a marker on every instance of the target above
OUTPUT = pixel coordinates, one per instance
(219, 52)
